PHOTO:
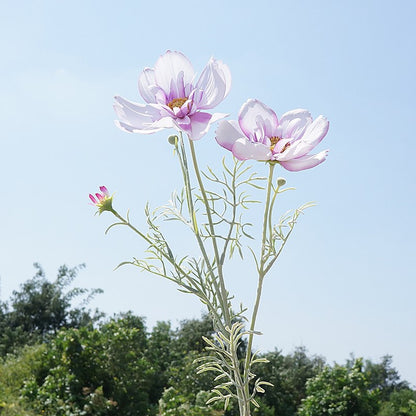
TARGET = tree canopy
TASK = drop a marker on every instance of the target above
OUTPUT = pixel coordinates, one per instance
(58, 359)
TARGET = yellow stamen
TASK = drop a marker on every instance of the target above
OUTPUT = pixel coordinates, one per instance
(177, 102)
(273, 142)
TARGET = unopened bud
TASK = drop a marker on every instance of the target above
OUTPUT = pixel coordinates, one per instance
(173, 140)
(281, 182)
(102, 200)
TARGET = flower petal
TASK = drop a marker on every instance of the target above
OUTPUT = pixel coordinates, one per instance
(313, 135)
(148, 89)
(174, 73)
(199, 124)
(140, 118)
(257, 120)
(296, 149)
(293, 123)
(227, 133)
(134, 113)
(316, 132)
(215, 84)
(305, 162)
(104, 190)
(244, 149)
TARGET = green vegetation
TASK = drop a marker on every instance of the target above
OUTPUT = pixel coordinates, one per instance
(56, 360)
(40, 308)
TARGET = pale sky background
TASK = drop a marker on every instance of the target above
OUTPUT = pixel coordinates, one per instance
(346, 282)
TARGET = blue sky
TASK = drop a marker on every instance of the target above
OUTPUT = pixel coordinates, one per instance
(346, 282)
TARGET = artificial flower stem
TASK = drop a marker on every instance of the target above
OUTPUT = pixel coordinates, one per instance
(275, 257)
(232, 222)
(269, 220)
(266, 213)
(171, 261)
(243, 401)
(132, 227)
(261, 276)
(187, 181)
(212, 232)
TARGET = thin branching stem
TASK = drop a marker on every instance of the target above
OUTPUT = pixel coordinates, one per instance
(275, 257)
(172, 261)
(187, 182)
(243, 401)
(204, 277)
(232, 222)
(261, 274)
(149, 241)
(223, 292)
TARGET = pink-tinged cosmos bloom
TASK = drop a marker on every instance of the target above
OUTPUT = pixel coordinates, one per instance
(260, 135)
(102, 200)
(174, 98)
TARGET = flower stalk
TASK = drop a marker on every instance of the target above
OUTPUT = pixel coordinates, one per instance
(205, 278)
(175, 98)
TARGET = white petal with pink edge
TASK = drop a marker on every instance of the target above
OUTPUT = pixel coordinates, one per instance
(140, 118)
(227, 133)
(173, 73)
(147, 85)
(296, 149)
(200, 123)
(293, 123)
(313, 135)
(255, 116)
(136, 115)
(244, 149)
(214, 83)
(305, 162)
(316, 131)
(164, 123)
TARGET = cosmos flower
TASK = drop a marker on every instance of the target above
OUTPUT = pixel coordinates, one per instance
(259, 135)
(174, 98)
(102, 200)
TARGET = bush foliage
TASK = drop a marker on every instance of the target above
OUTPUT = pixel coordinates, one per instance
(57, 360)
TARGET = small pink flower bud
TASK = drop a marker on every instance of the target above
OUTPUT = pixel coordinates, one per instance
(103, 201)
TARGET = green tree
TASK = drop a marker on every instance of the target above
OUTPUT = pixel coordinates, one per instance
(289, 375)
(190, 333)
(14, 370)
(384, 377)
(93, 372)
(40, 308)
(161, 353)
(340, 391)
(175, 403)
(401, 403)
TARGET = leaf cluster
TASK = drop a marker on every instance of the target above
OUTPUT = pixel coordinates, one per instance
(41, 307)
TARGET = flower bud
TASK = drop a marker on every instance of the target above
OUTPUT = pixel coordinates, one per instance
(281, 182)
(173, 140)
(102, 200)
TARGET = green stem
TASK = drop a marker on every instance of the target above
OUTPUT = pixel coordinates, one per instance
(187, 181)
(269, 220)
(224, 294)
(149, 241)
(243, 402)
(169, 259)
(230, 231)
(260, 280)
(275, 257)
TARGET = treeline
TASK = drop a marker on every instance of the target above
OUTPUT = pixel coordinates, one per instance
(60, 360)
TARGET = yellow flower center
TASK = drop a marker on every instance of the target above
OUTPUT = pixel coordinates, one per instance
(273, 142)
(177, 102)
